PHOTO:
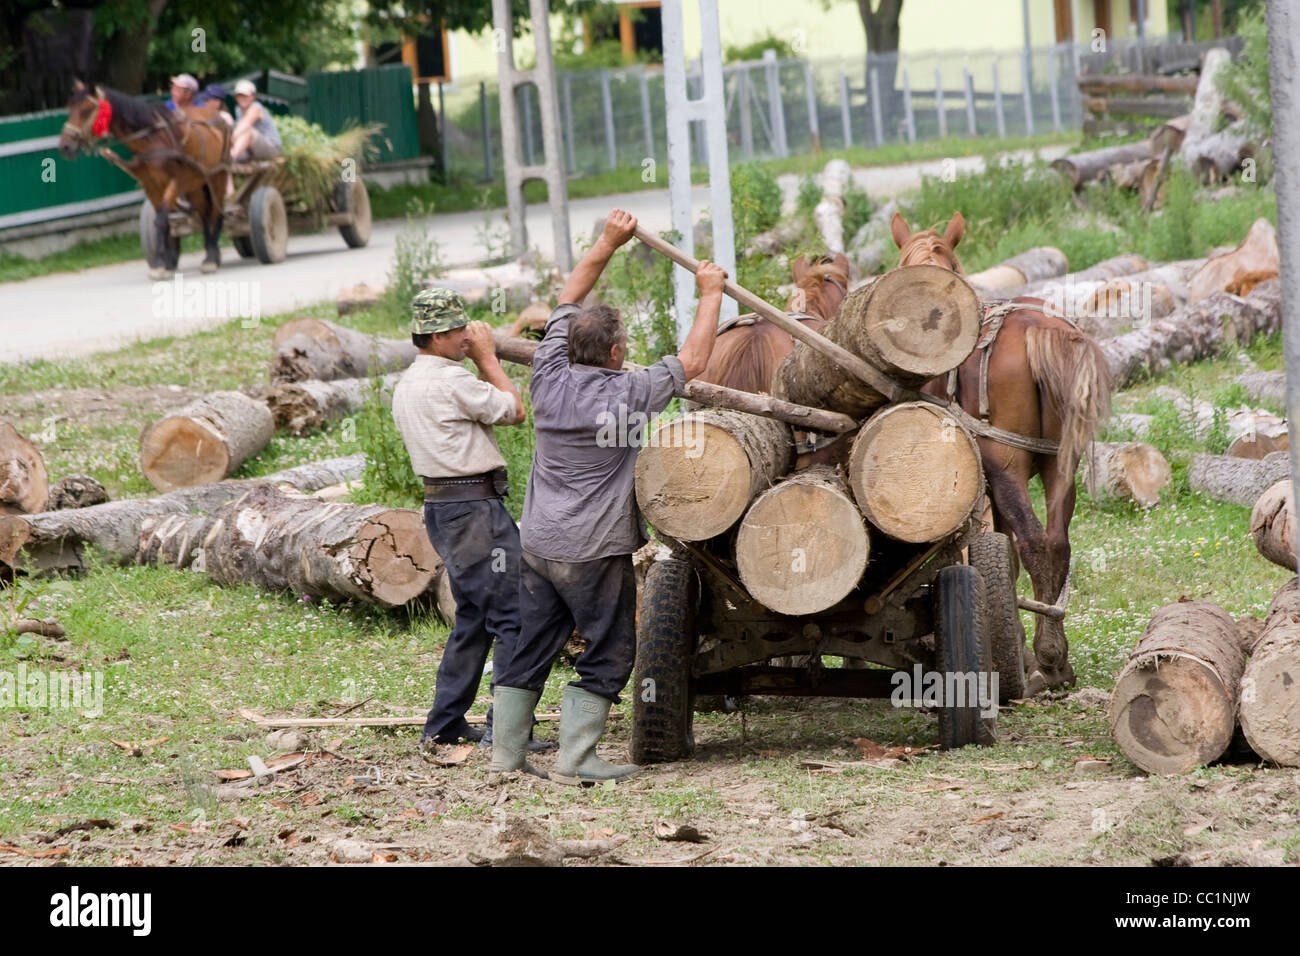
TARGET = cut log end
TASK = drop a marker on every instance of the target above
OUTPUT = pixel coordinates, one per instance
(180, 452)
(393, 547)
(921, 319)
(24, 483)
(1171, 714)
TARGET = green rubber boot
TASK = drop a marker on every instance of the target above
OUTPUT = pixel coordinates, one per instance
(512, 721)
(582, 721)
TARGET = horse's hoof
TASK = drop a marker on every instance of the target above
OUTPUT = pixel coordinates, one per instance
(160, 274)
(1053, 679)
(208, 267)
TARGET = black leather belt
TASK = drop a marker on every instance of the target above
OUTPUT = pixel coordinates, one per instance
(490, 484)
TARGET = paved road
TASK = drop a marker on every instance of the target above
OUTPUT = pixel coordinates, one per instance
(74, 314)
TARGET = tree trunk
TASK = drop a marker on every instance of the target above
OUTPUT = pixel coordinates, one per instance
(1270, 692)
(53, 540)
(1237, 480)
(1112, 268)
(829, 213)
(1256, 256)
(1194, 332)
(1265, 386)
(76, 491)
(803, 546)
(913, 323)
(1207, 105)
(1218, 156)
(1174, 705)
(1081, 168)
(915, 472)
(299, 407)
(697, 474)
(1032, 265)
(205, 441)
(1130, 470)
(520, 351)
(126, 53)
(337, 551)
(1272, 525)
(24, 483)
(307, 348)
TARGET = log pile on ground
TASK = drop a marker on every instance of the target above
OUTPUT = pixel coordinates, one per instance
(1270, 690)
(1237, 480)
(307, 348)
(1039, 264)
(205, 441)
(24, 483)
(1126, 471)
(298, 407)
(1273, 526)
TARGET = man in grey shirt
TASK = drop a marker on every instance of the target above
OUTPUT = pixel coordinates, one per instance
(581, 522)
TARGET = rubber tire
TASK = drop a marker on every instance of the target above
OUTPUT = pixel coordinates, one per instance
(269, 224)
(665, 644)
(147, 215)
(961, 648)
(352, 197)
(243, 245)
(990, 555)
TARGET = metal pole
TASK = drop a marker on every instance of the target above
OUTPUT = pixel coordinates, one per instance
(814, 130)
(907, 108)
(1024, 89)
(487, 131)
(442, 134)
(607, 104)
(1283, 22)
(746, 120)
(1142, 19)
(997, 102)
(774, 104)
(938, 104)
(876, 121)
(645, 115)
(844, 110)
(969, 86)
(568, 124)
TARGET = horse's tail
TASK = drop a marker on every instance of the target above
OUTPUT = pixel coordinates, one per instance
(1070, 371)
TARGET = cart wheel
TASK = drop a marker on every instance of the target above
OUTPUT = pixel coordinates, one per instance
(148, 240)
(352, 197)
(663, 691)
(990, 555)
(961, 651)
(243, 245)
(269, 225)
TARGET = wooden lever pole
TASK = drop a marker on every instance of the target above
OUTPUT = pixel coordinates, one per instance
(841, 356)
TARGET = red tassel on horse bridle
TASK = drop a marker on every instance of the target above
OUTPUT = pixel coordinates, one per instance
(103, 117)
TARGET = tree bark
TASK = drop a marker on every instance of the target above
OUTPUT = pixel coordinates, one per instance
(1207, 105)
(337, 551)
(1256, 256)
(54, 540)
(1237, 480)
(307, 348)
(24, 483)
(829, 213)
(1131, 470)
(915, 472)
(1270, 692)
(299, 407)
(913, 323)
(126, 53)
(1032, 265)
(697, 474)
(1174, 706)
(802, 546)
(1081, 168)
(1112, 268)
(1272, 525)
(205, 441)
(1265, 386)
(1194, 332)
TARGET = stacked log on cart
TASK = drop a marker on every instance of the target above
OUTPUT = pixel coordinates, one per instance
(802, 539)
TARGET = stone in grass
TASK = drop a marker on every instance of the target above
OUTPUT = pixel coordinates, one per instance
(289, 740)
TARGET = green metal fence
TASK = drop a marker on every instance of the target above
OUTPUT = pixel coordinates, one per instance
(379, 95)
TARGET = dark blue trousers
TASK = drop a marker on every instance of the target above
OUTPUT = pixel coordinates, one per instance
(478, 542)
(599, 598)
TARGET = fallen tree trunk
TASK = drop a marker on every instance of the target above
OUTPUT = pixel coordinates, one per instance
(205, 441)
(1270, 691)
(299, 407)
(698, 473)
(54, 540)
(1255, 256)
(802, 546)
(915, 472)
(520, 351)
(1194, 332)
(1207, 104)
(1032, 265)
(24, 483)
(1126, 471)
(307, 348)
(1272, 525)
(269, 539)
(1265, 386)
(1237, 480)
(828, 215)
(1174, 706)
(1112, 268)
(1084, 167)
(912, 324)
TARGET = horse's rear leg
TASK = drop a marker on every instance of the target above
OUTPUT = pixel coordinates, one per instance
(1059, 492)
(1014, 511)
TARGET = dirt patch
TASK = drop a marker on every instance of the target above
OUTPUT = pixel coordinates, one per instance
(93, 407)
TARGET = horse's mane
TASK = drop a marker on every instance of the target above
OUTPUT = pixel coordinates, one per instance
(813, 286)
(134, 113)
(925, 247)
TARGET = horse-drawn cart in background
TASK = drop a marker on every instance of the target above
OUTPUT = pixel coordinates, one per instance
(265, 210)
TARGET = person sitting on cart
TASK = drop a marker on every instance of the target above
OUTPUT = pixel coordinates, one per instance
(255, 135)
(186, 95)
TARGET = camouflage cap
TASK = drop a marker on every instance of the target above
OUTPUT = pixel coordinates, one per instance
(437, 310)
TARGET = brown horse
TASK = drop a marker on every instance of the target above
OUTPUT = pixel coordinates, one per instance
(175, 155)
(746, 356)
(1046, 380)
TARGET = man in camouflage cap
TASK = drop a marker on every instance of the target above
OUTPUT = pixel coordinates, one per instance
(445, 415)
